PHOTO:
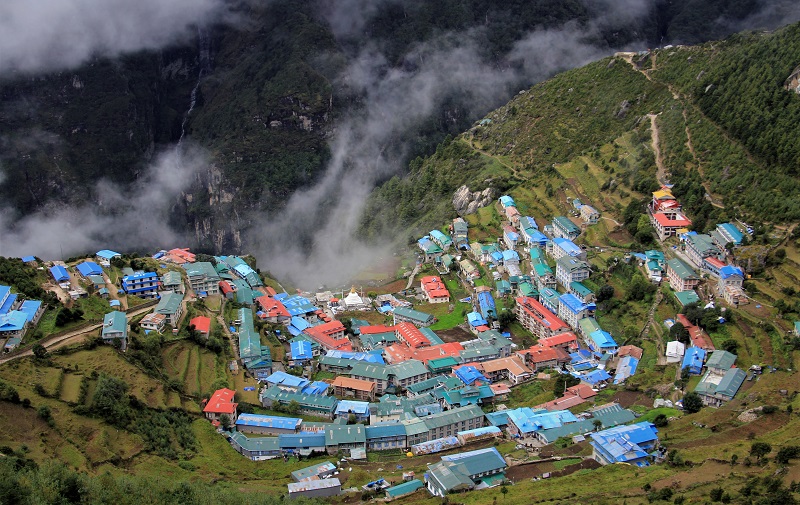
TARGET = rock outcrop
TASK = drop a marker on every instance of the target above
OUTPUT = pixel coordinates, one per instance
(468, 202)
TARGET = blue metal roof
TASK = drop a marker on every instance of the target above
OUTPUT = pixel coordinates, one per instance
(626, 368)
(469, 374)
(59, 273)
(301, 440)
(354, 407)
(596, 376)
(732, 232)
(567, 246)
(297, 305)
(106, 254)
(730, 270)
(369, 357)
(278, 422)
(693, 358)
(13, 321)
(301, 350)
(476, 319)
(286, 379)
(10, 300)
(512, 235)
(315, 388)
(603, 339)
(28, 259)
(487, 305)
(621, 443)
(30, 308)
(88, 268)
(510, 255)
(572, 302)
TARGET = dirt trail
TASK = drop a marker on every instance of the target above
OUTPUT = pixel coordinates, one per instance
(510, 167)
(661, 173)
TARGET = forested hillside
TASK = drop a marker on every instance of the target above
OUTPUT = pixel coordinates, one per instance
(270, 93)
(724, 119)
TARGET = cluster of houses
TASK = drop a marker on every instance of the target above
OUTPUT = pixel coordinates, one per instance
(419, 425)
(706, 252)
(17, 315)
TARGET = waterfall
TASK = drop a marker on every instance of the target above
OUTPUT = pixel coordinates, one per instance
(204, 47)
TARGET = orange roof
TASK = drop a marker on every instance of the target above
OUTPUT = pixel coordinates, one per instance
(225, 287)
(512, 363)
(696, 334)
(221, 402)
(500, 389)
(348, 383)
(630, 350)
(564, 338)
(272, 307)
(410, 334)
(270, 291)
(714, 262)
(201, 324)
(540, 354)
(183, 254)
(582, 390)
(330, 328)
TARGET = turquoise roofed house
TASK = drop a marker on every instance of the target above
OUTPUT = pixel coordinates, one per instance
(687, 297)
(403, 489)
(403, 314)
(507, 201)
(171, 306)
(429, 249)
(565, 228)
(442, 240)
(477, 469)
(115, 327)
(603, 341)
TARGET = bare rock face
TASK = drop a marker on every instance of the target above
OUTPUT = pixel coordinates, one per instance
(468, 202)
(793, 82)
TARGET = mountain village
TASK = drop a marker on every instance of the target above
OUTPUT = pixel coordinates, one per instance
(401, 386)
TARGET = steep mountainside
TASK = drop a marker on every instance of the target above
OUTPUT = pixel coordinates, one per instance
(723, 124)
(265, 95)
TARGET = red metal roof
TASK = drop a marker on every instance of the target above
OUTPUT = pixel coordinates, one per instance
(666, 221)
(225, 287)
(714, 262)
(539, 312)
(221, 402)
(378, 328)
(201, 324)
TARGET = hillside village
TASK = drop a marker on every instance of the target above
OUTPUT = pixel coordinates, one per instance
(348, 387)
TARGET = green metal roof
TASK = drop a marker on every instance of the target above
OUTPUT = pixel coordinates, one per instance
(682, 270)
(201, 268)
(542, 269)
(404, 488)
(171, 278)
(451, 416)
(255, 443)
(115, 322)
(731, 382)
(446, 474)
(407, 369)
(372, 371)
(412, 314)
(349, 434)
(579, 289)
(566, 224)
(169, 303)
(589, 325)
(687, 297)
(442, 363)
(527, 289)
(721, 359)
